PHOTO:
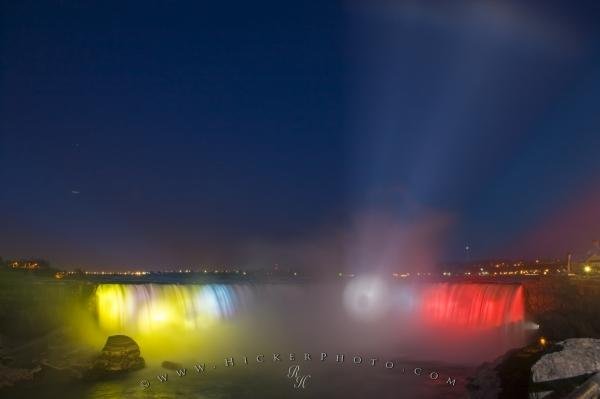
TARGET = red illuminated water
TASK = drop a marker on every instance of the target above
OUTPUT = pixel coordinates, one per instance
(472, 306)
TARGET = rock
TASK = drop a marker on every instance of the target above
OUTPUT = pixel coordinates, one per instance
(579, 356)
(569, 364)
(171, 365)
(119, 355)
(564, 307)
(11, 376)
(486, 382)
(506, 377)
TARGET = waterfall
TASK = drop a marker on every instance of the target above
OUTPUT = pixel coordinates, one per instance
(472, 306)
(146, 308)
(458, 321)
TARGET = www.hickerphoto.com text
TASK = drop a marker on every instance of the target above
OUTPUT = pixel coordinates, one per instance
(354, 360)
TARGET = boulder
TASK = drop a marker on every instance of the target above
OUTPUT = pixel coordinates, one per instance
(575, 357)
(120, 354)
(569, 364)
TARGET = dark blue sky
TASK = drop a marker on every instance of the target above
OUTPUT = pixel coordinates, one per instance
(137, 135)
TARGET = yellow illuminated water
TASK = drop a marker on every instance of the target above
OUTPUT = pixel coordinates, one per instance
(154, 307)
(161, 316)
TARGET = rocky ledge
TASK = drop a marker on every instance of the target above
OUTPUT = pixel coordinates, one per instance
(10, 376)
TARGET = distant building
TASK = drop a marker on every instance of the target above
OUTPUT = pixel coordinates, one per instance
(28, 264)
(591, 264)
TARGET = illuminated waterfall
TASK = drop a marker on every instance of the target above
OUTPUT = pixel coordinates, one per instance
(453, 320)
(146, 308)
(473, 306)
(150, 308)
(467, 306)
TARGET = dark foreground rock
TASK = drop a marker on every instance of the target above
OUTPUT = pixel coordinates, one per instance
(569, 365)
(120, 354)
(507, 377)
(11, 376)
(538, 371)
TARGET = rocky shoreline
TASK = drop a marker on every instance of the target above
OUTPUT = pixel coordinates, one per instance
(59, 356)
(538, 371)
(507, 376)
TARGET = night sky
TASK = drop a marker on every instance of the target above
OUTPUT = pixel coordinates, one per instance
(311, 134)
